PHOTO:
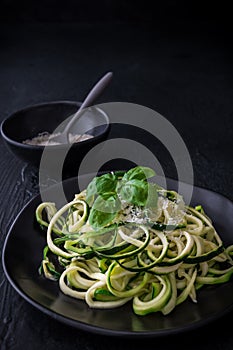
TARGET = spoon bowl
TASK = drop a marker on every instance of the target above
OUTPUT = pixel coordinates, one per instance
(95, 92)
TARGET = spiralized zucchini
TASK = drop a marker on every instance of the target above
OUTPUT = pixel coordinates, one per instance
(126, 239)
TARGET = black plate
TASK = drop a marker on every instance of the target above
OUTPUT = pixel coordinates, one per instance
(22, 254)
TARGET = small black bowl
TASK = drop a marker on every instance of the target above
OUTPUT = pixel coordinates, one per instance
(29, 122)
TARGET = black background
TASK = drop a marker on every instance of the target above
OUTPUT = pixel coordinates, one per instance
(173, 56)
(120, 10)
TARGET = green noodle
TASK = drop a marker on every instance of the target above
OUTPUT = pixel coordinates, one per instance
(154, 257)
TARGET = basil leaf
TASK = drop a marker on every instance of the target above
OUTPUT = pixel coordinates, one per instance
(100, 185)
(135, 192)
(104, 210)
(106, 183)
(91, 191)
(108, 203)
(99, 219)
(138, 173)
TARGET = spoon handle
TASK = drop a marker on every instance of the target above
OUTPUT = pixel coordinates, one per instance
(93, 94)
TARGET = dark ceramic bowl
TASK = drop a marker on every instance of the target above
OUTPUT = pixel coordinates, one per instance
(32, 120)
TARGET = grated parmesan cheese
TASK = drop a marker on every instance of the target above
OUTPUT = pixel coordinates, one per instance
(43, 139)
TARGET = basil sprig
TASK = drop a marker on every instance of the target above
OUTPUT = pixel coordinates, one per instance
(105, 194)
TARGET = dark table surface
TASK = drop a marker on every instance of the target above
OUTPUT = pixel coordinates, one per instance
(184, 72)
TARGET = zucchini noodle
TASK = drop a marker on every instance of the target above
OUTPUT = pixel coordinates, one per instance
(155, 256)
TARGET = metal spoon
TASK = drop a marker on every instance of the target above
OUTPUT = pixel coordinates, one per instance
(93, 94)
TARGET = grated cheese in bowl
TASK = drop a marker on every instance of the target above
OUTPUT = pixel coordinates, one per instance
(46, 139)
